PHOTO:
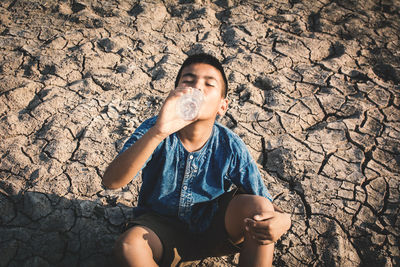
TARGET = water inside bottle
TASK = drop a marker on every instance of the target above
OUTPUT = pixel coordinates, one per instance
(189, 104)
(189, 109)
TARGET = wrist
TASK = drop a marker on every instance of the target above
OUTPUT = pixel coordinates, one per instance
(156, 133)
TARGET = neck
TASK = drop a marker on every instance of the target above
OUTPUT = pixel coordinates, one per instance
(195, 135)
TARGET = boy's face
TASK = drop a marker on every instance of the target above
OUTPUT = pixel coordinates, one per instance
(209, 80)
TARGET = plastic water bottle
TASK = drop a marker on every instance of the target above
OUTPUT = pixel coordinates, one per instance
(189, 104)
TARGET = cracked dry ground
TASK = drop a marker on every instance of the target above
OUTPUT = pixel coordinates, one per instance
(314, 94)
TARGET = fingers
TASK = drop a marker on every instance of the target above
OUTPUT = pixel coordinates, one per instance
(264, 231)
(174, 95)
(260, 222)
(182, 90)
(178, 92)
(264, 216)
(260, 237)
(259, 229)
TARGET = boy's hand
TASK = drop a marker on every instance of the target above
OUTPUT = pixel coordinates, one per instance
(168, 120)
(268, 227)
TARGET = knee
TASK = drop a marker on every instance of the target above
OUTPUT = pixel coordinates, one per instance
(122, 246)
(241, 207)
(126, 244)
(139, 244)
(252, 204)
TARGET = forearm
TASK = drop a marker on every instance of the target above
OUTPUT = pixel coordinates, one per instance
(127, 165)
(123, 168)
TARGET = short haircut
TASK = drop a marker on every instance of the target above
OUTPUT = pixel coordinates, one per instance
(205, 59)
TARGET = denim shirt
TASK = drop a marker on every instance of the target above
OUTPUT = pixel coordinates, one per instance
(176, 183)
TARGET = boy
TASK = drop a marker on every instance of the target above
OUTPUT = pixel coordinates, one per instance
(187, 210)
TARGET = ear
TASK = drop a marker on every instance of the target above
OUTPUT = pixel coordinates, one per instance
(223, 107)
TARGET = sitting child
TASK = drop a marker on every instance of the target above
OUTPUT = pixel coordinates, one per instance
(202, 194)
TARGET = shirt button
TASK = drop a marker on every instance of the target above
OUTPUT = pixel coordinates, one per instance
(184, 187)
(191, 157)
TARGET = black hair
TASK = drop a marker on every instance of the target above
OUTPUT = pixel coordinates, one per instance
(206, 59)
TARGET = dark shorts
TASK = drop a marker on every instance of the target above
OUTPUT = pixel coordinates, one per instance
(180, 246)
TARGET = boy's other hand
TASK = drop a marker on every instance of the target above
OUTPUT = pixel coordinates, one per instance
(268, 227)
(169, 120)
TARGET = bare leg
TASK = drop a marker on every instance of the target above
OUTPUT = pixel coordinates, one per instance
(240, 208)
(253, 254)
(138, 246)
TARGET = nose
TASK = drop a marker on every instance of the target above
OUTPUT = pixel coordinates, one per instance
(198, 84)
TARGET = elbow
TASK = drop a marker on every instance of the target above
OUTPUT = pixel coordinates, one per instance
(108, 183)
(114, 178)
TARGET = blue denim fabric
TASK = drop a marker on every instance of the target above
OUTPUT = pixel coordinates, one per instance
(180, 184)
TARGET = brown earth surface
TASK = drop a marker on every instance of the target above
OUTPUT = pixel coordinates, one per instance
(314, 94)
